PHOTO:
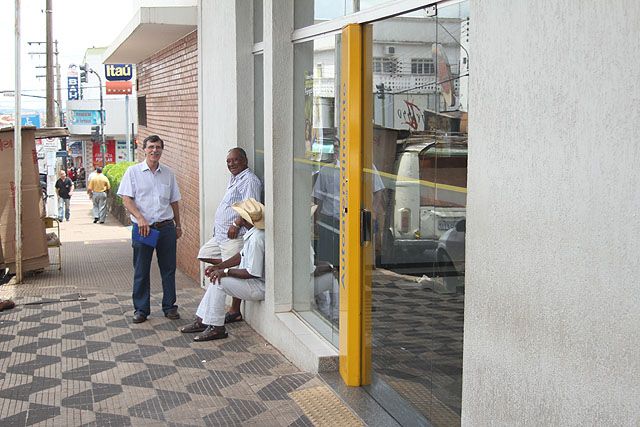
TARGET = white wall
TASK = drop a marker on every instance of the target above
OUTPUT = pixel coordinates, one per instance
(552, 305)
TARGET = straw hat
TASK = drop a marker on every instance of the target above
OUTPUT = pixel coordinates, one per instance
(252, 211)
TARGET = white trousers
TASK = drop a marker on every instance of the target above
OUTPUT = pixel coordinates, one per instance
(212, 306)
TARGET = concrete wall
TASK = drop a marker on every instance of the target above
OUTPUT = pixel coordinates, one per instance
(552, 309)
(169, 80)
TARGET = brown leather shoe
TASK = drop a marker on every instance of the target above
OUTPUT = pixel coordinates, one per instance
(212, 333)
(196, 326)
(6, 304)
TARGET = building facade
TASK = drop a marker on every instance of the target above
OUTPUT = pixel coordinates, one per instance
(382, 131)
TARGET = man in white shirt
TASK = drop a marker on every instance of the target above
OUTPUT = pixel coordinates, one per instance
(227, 238)
(150, 193)
(246, 282)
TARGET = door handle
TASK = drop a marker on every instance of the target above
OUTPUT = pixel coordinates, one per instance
(365, 227)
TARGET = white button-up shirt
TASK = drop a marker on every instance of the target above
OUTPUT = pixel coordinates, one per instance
(252, 253)
(152, 192)
(241, 187)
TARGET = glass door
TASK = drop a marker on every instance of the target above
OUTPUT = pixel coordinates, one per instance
(413, 210)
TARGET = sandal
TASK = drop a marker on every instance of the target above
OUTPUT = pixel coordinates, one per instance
(233, 317)
(193, 328)
(211, 333)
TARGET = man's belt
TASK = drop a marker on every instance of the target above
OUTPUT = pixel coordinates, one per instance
(161, 224)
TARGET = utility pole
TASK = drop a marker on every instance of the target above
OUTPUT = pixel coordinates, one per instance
(17, 147)
(103, 147)
(51, 118)
(58, 87)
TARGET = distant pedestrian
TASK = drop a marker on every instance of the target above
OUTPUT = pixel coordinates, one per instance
(150, 193)
(89, 178)
(64, 188)
(98, 188)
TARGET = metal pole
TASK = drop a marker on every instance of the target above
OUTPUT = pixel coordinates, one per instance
(51, 118)
(104, 148)
(126, 115)
(17, 153)
(58, 86)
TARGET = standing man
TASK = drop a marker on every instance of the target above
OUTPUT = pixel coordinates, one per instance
(64, 188)
(98, 188)
(150, 193)
(228, 230)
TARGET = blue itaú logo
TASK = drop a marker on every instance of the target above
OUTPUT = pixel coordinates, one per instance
(118, 72)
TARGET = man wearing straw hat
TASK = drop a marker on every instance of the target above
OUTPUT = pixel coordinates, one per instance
(246, 281)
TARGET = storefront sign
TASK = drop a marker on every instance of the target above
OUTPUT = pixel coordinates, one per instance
(118, 72)
(109, 151)
(31, 120)
(73, 92)
(118, 88)
(85, 117)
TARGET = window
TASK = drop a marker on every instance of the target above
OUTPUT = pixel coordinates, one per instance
(385, 65)
(422, 66)
(142, 110)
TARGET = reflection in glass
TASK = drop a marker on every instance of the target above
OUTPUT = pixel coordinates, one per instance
(419, 151)
(316, 184)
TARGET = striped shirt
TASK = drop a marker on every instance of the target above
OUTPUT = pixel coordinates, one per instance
(241, 187)
(152, 192)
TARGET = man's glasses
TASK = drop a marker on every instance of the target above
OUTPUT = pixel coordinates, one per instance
(154, 148)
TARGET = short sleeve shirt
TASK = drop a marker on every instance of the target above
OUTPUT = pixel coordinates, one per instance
(241, 187)
(252, 253)
(152, 192)
(64, 188)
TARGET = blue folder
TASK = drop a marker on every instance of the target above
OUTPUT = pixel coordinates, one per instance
(150, 240)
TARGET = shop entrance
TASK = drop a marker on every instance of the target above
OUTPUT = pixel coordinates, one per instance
(403, 133)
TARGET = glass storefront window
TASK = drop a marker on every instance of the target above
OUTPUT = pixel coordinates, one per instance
(309, 12)
(418, 179)
(316, 182)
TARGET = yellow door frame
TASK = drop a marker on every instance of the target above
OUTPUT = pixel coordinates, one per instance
(356, 133)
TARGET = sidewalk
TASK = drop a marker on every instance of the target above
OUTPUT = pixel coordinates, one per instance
(69, 354)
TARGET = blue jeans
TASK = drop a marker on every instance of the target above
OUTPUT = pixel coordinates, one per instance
(63, 208)
(142, 256)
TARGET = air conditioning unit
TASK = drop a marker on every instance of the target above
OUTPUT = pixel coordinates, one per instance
(389, 50)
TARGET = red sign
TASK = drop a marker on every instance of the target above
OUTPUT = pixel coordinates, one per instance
(110, 153)
(119, 88)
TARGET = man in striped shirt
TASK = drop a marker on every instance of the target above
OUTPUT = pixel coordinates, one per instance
(228, 231)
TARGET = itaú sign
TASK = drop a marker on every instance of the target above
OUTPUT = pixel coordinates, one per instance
(118, 72)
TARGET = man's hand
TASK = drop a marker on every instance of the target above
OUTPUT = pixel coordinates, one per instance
(216, 275)
(178, 232)
(209, 270)
(143, 227)
(233, 231)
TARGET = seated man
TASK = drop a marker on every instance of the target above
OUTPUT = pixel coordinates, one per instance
(244, 282)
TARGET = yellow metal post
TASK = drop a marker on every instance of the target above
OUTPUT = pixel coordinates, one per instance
(355, 132)
(350, 191)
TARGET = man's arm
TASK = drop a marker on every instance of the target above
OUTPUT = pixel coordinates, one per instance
(238, 273)
(231, 262)
(176, 218)
(143, 225)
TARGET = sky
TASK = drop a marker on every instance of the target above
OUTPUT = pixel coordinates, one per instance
(77, 25)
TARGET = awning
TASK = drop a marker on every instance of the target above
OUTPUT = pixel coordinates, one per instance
(149, 31)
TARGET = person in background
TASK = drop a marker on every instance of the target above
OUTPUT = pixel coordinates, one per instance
(64, 188)
(98, 188)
